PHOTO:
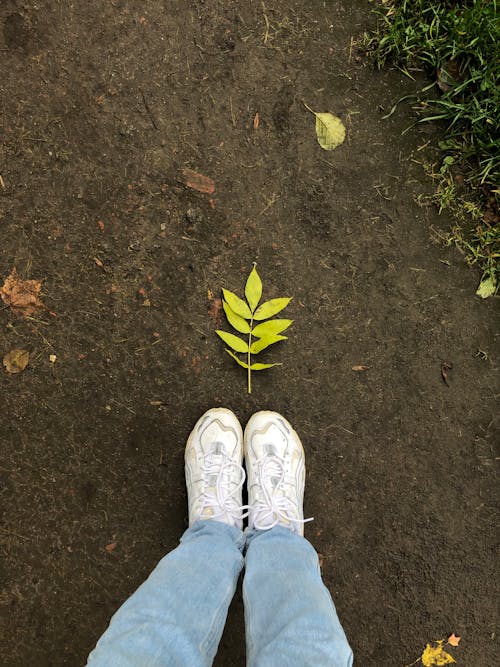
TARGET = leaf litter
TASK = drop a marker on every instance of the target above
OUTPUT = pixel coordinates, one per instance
(22, 296)
(199, 182)
(434, 653)
(16, 361)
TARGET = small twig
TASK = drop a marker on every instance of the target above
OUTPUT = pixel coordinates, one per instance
(10, 532)
(113, 400)
(233, 120)
(270, 203)
(327, 428)
(150, 114)
(210, 53)
(266, 34)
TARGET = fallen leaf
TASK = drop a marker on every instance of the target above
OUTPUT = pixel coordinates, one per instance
(101, 225)
(330, 131)
(436, 656)
(449, 75)
(52, 358)
(215, 311)
(321, 560)
(158, 403)
(110, 547)
(16, 361)
(453, 640)
(445, 367)
(256, 121)
(359, 368)
(486, 288)
(23, 296)
(99, 263)
(199, 182)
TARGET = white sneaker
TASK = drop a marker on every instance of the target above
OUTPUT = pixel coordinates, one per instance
(214, 474)
(275, 463)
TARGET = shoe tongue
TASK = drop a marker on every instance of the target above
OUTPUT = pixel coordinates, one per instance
(218, 448)
(271, 450)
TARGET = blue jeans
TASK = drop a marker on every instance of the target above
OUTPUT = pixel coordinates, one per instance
(177, 616)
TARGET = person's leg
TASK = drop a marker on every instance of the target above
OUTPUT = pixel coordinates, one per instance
(177, 616)
(290, 616)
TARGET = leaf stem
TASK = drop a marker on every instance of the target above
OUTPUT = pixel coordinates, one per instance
(248, 358)
(308, 108)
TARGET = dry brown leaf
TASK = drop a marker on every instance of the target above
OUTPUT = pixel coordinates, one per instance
(110, 547)
(23, 296)
(256, 121)
(16, 361)
(215, 311)
(199, 182)
(359, 368)
(445, 367)
(453, 640)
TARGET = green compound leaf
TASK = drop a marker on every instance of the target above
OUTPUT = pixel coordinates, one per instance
(233, 341)
(243, 315)
(235, 320)
(270, 308)
(253, 289)
(262, 367)
(261, 344)
(236, 304)
(238, 361)
(271, 328)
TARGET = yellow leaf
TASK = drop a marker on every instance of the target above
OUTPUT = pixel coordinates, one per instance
(236, 304)
(253, 289)
(436, 656)
(487, 287)
(330, 131)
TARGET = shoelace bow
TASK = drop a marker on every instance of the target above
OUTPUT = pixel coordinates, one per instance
(224, 495)
(274, 507)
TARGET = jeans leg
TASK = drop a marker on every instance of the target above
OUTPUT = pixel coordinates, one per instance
(289, 614)
(177, 616)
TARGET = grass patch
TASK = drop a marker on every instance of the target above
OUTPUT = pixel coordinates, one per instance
(458, 44)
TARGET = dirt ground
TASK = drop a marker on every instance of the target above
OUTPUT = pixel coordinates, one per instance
(103, 105)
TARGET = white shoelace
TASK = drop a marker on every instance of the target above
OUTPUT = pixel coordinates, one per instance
(274, 507)
(224, 497)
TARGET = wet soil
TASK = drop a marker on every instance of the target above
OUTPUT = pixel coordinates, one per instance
(103, 105)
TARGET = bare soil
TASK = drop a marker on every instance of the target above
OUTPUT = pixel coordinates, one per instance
(103, 105)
